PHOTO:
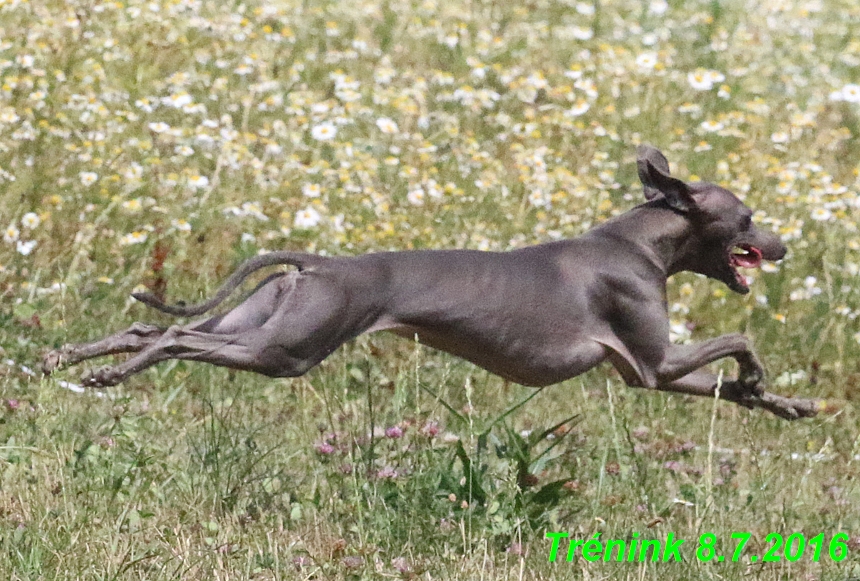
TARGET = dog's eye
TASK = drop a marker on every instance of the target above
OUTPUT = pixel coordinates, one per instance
(748, 222)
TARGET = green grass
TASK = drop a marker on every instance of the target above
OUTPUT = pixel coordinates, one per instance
(219, 475)
(390, 460)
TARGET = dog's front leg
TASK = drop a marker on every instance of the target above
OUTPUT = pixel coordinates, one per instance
(682, 360)
(681, 373)
(703, 383)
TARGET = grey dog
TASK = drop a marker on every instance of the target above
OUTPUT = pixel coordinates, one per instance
(535, 316)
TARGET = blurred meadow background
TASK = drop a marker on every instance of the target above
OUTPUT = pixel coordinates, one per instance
(158, 144)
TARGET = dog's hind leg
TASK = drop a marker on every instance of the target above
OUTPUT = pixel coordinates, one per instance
(272, 335)
(251, 314)
(244, 351)
(286, 326)
(272, 293)
(134, 339)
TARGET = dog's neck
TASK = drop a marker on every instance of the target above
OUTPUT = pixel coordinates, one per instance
(662, 235)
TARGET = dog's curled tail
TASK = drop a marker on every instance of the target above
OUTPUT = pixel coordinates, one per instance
(300, 260)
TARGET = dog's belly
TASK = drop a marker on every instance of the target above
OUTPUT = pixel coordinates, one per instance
(524, 361)
(518, 314)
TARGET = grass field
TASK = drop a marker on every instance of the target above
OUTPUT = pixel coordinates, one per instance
(158, 144)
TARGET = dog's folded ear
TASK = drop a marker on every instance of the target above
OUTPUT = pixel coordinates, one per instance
(654, 173)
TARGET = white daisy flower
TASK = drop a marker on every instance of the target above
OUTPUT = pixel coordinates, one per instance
(254, 210)
(181, 225)
(324, 132)
(716, 76)
(159, 127)
(88, 178)
(132, 205)
(8, 116)
(712, 126)
(821, 214)
(243, 69)
(579, 108)
(433, 190)
(658, 7)
(539, 199)
(307, 218)
(574, 72)
(320, 108)
(851, 93)
(347, 95)
(133, 172)
(145, 104)
(25, 248)
(581, 33)
(312, 190)
(133, 238)
(178, 100)
(416, 196)
(647, 61)
(197, 182)
(30, 220)
(587, 86)
(700, 80)
(387, 125)
(11, 234)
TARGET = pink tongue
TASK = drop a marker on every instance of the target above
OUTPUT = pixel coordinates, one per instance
(752, 259)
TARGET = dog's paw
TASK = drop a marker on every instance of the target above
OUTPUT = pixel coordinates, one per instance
(792, 408)
(102, 377)
(739, 393)
(52, 360)
(752, 380)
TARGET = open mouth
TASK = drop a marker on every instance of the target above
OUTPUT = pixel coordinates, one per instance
(744, 256)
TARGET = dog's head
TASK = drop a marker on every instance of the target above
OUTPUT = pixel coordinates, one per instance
(721, 236)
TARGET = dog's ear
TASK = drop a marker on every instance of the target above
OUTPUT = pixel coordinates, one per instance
(654, 173)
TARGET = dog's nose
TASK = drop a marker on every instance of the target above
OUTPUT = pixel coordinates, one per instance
(774, 251)
(770, 246)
